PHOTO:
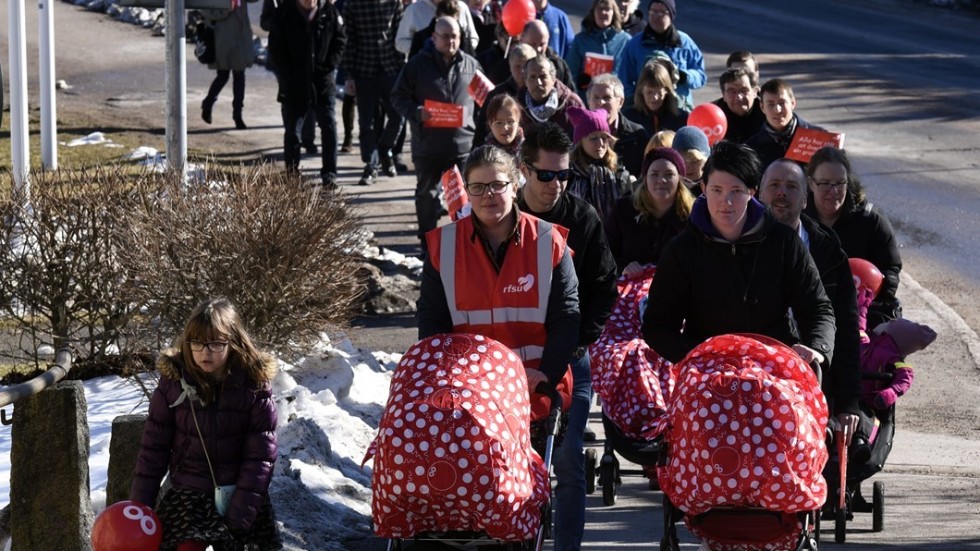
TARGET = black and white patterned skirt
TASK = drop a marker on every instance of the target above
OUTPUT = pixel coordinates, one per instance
(187, 515)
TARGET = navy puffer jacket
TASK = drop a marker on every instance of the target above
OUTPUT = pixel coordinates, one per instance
(238, 427)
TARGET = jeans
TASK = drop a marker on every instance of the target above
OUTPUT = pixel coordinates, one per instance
(569, 463)
(293, 120)
(370, 91)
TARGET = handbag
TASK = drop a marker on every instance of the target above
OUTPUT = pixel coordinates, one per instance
(204, 43)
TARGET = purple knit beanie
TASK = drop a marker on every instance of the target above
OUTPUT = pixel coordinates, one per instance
(671, 7)
(585, 122)
(663, 153)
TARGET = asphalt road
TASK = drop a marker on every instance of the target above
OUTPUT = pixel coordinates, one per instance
(899, 78)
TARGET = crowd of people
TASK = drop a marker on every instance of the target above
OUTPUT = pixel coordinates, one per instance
(580, 166)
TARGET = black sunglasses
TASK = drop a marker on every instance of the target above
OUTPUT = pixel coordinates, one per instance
(549, 175)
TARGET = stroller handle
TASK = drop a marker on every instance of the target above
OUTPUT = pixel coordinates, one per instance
(554, 396)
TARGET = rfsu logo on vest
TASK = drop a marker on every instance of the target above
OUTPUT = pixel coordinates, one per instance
(524, 284)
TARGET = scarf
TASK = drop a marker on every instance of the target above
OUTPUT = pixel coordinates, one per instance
(546, 110)
(668, 38)
(784, 137)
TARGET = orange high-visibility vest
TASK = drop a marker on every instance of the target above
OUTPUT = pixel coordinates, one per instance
(511, 306)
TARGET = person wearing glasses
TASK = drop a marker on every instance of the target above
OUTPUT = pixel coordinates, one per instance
(661, 35)
(740, 102)
(545, 156)
(735, 269)
(596, 174)
(837, 199)
(502, 273)
(211, 424)
(779, 106)
(436, 78)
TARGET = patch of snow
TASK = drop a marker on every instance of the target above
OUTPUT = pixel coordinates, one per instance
(91, 139)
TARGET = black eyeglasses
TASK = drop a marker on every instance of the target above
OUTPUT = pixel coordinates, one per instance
(549, 175)
(826, 186)
(477, 189)
(213, 346)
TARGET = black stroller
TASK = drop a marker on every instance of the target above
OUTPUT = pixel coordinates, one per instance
(854, 501)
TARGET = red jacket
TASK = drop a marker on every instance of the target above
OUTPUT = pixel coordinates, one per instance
(510, 306)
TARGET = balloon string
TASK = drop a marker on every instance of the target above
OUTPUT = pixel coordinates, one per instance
(507, 49)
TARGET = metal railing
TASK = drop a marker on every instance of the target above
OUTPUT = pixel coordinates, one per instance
(56, 372)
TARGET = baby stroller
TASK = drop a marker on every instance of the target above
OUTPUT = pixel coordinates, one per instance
(842, 510)
(633, 383)
(454, 464)
(744, 448)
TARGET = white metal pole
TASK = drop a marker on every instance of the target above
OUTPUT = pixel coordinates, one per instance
(176, 87)
(19, 146)
(49, 102)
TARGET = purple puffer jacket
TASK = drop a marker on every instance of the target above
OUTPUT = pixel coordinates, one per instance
(881, 355)
(239, 428)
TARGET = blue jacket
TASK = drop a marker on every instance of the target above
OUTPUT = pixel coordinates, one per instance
(687, 57)
(608, 41)
(559, 27)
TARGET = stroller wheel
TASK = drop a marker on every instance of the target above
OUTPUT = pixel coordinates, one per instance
(609, 477)
(590, 470)
(878, 507)
(840, 526)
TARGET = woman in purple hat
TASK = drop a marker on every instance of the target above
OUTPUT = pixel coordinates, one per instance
(596, 175)
(642, 224)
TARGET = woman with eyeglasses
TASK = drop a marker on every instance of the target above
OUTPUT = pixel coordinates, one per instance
(596, 175)
(212, 425)
(502, 273)
(837, 199)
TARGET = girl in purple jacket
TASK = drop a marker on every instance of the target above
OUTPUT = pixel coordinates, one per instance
(212, 425)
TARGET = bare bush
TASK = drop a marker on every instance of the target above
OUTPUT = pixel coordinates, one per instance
(61, 283)
(285, 255)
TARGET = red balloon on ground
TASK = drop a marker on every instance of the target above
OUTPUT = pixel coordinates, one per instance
(866, 275)
(711, 120)
(516, 14)
(127, 526)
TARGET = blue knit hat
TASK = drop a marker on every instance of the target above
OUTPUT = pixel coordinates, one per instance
(691, 137)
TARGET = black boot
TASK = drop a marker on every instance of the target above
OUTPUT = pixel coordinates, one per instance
(206, 106)
(238, 100)
(239, 123)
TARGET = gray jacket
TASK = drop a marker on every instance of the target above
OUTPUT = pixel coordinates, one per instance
(427, 76)
(233, 47)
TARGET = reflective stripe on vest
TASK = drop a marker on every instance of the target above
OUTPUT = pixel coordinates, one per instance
(447, 272)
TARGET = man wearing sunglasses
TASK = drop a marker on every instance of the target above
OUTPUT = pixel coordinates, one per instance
(545, 165)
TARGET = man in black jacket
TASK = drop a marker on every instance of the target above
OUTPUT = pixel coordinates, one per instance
(440, 73)
(306, 44)
(545, 162)
(779, 106)
(734, 269)
(783, 190)
(740, 102)
(606, 92)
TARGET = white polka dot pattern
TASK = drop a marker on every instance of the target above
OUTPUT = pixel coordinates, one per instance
(746, 427)
(453, 450)
(633, 381)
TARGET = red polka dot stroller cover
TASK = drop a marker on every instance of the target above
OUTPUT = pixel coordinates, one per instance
(453, 450)
(632, 380)
(746, 428)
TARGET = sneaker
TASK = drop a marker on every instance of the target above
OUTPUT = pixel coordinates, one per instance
(310, 148)
(347, 147)
(329, 181)
(589, 435)
(401, 167)
(388, 166)
(369, 176)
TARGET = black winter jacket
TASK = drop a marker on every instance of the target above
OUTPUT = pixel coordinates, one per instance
(707, 286)
(865, 232)
(843, 383)
(594, 264)
(631, 140)
(741, 128)
(239, 428)
(768, 148)
(427, 76)
(305, 54)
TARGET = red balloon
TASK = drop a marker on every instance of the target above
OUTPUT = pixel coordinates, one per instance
(516, 14)
(711, 120)
(127, 526)
(866, 275)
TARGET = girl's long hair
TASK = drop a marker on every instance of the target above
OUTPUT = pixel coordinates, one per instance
(655, 74)
(217, 319)
(580, 159)
(683, 200)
